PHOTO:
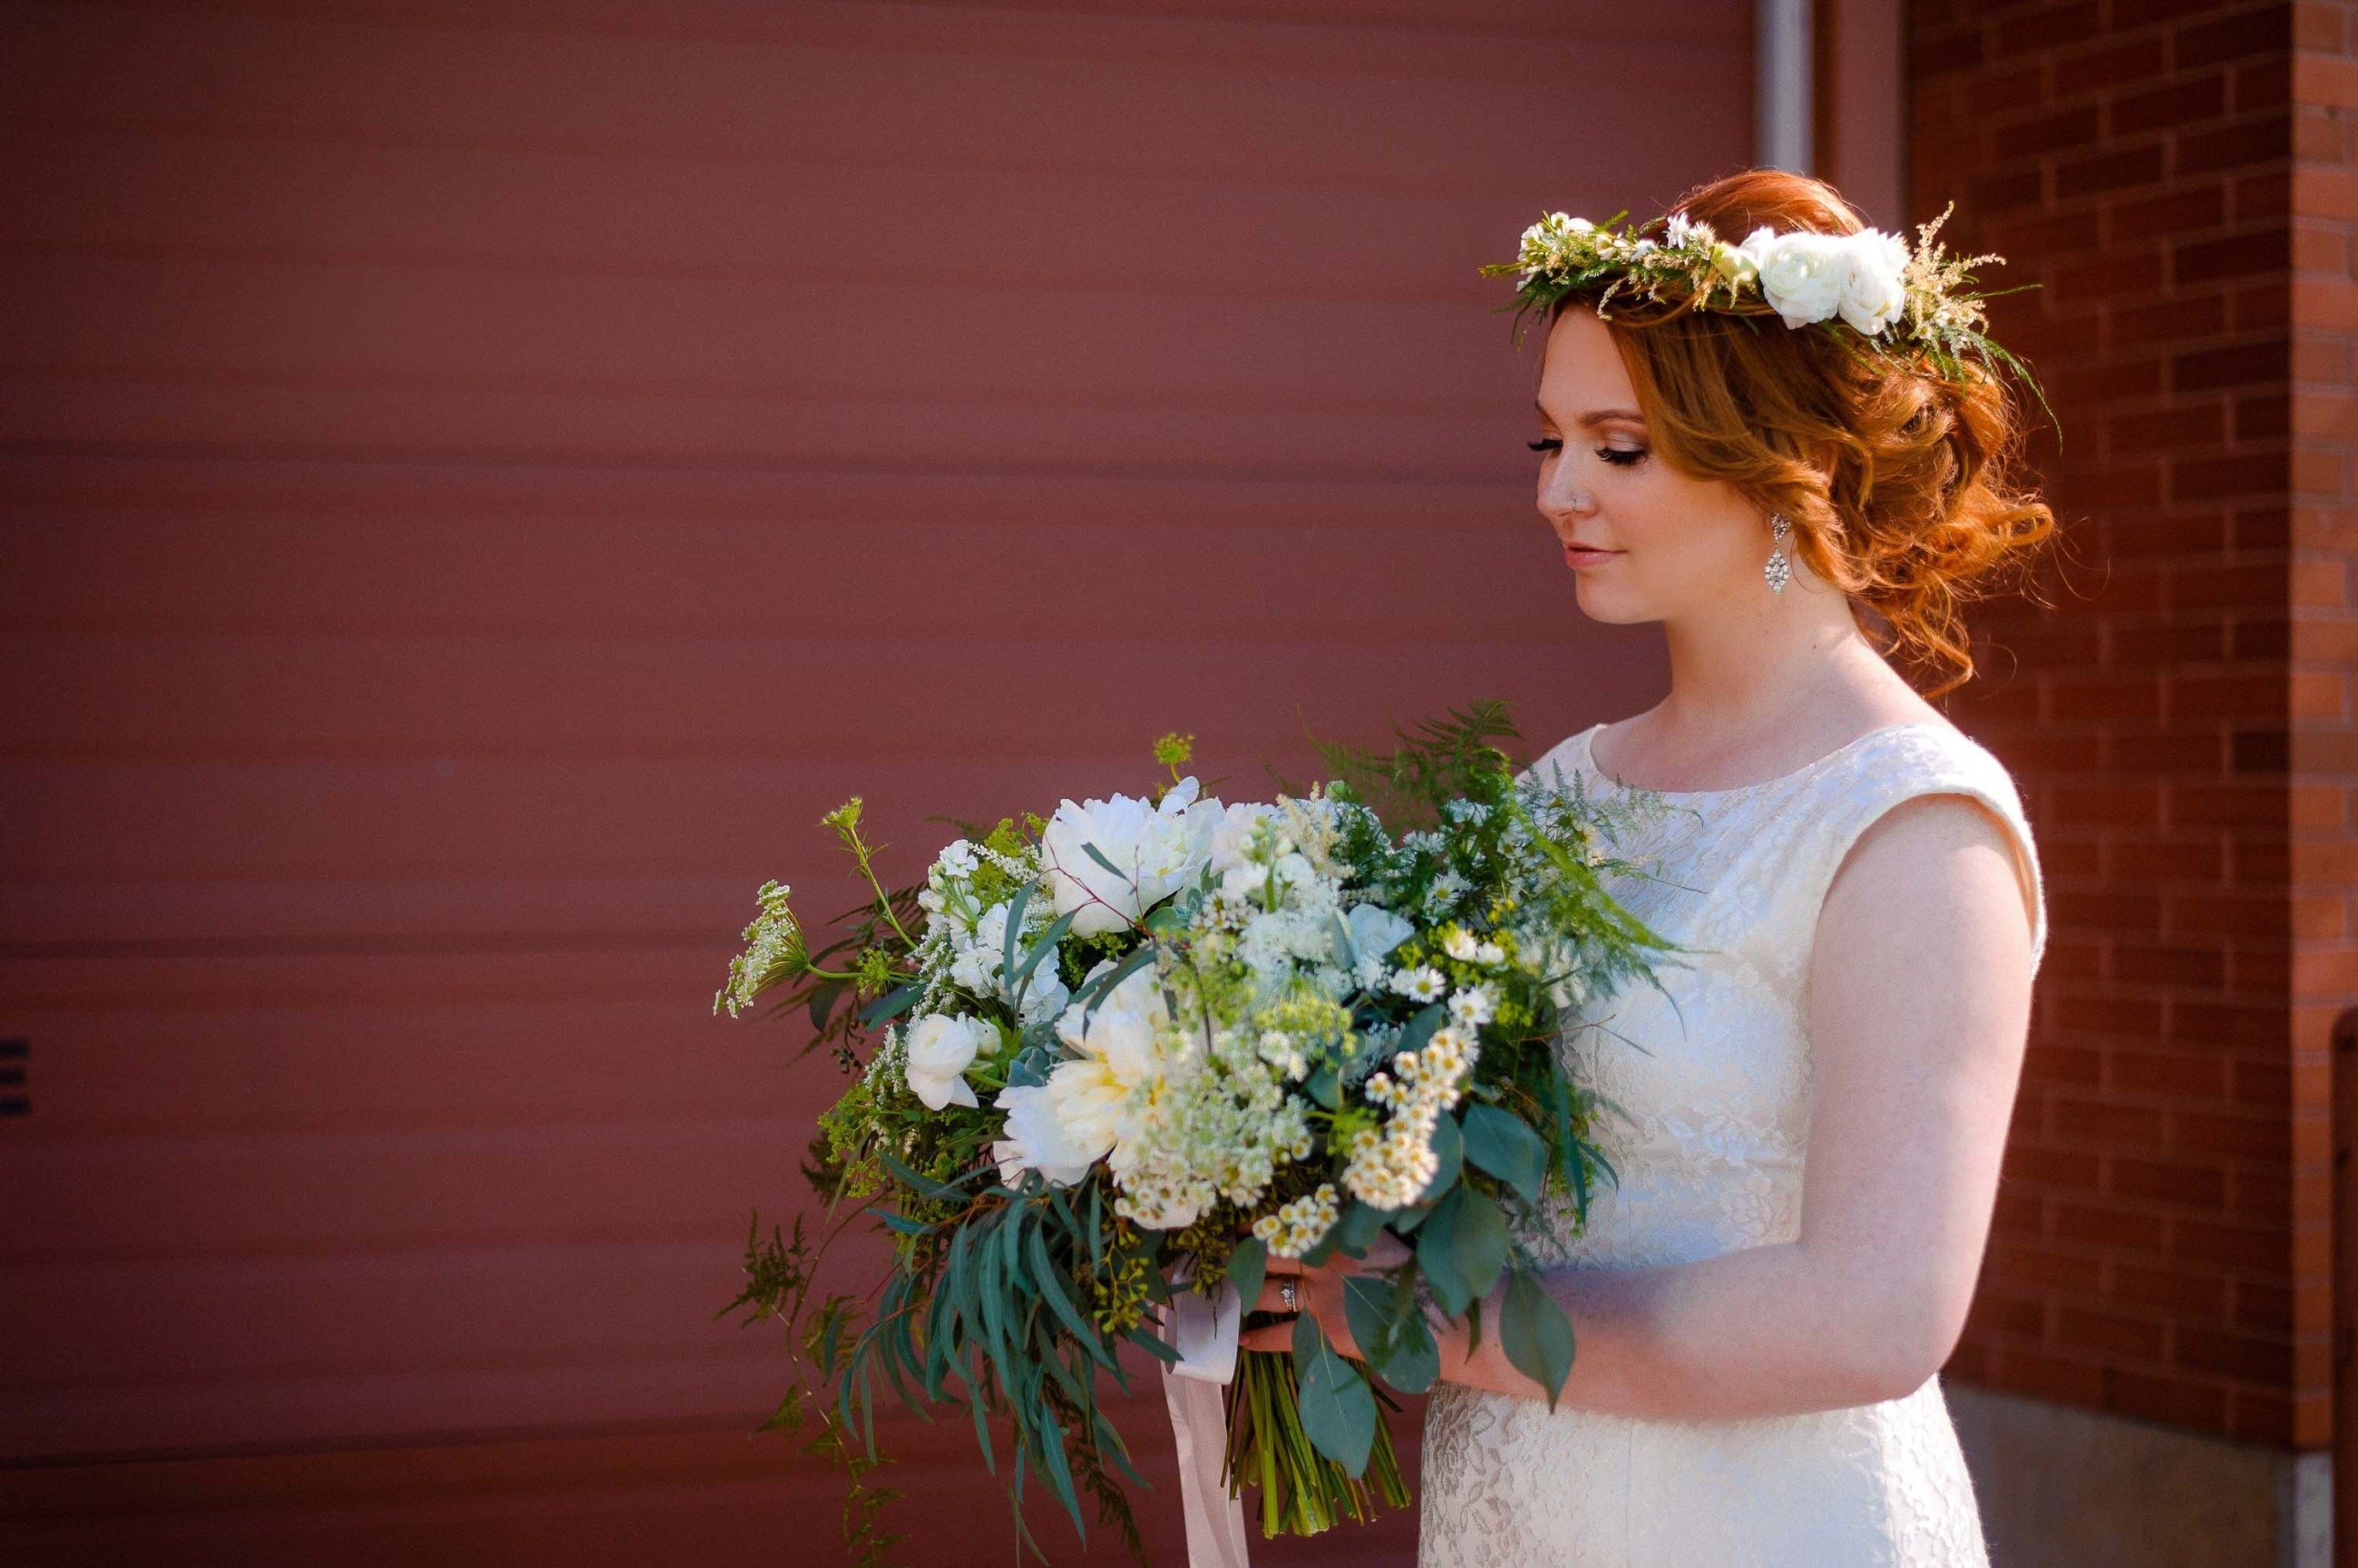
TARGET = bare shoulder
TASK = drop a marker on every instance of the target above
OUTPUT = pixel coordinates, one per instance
(1939, 865)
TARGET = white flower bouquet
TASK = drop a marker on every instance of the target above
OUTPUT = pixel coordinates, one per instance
(1137, 1047)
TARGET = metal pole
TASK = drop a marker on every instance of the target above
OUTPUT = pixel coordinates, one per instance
(1784, 93)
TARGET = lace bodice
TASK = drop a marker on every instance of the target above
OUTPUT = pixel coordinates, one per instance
(1709, 1082)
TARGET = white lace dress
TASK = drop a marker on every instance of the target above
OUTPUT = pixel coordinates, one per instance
(1716, 1097)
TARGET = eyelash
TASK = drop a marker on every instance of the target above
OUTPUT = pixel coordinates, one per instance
(1618, 457)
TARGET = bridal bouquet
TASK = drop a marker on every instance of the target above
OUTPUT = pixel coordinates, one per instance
(1136, 1048)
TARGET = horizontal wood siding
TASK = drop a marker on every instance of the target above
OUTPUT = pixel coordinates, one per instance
(478, 483)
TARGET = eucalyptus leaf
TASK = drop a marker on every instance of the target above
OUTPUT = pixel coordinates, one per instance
(1479, 1243)
(1019, 982)
(1420, 1029)
(1356, 1231)
(1436, 1254)
(1325, 1086)
(1414, 1364)
(891, 1005)
(1012, 939)
(1499, 1142)
(1247, 1267)
(1535, 1334)
(1338, 1409)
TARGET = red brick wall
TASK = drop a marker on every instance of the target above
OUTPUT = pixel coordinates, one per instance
(2159, 1243)
(2324, 699)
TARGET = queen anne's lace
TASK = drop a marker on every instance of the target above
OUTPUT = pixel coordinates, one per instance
(1714, 1089)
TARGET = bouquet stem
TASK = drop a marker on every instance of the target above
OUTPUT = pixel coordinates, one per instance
(1302, 1491)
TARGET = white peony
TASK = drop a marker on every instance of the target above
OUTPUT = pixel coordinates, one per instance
(1037, 1140)
(1158, 849)
(1120, 1051)
(1804, 275)
(941, 1047)
(1231, 841)
(1876, 289)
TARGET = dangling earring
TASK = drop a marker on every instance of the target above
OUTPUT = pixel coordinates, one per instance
(1779, 569)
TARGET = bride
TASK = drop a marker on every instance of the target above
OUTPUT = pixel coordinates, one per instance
(1812, 1108)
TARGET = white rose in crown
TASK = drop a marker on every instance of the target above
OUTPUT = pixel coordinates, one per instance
(941, 1047)
(1155, 849)
(1803, 276)
(1877, 292)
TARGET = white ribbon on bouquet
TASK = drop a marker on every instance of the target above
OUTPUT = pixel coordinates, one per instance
(1204, 1330)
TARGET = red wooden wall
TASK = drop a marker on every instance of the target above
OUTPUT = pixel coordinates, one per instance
(478, 481)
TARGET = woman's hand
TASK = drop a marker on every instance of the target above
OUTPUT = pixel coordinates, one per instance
(1319, 1291)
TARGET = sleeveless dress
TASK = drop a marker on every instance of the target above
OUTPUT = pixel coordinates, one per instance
(1714, 1103)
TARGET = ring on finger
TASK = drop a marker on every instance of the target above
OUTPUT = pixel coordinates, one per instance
(1285, 1293)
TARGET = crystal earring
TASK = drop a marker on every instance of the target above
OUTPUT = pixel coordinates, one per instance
(1779, 569)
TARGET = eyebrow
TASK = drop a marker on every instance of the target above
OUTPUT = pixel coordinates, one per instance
(1598, 416)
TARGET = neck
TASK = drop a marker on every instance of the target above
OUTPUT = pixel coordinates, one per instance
(1762, 664)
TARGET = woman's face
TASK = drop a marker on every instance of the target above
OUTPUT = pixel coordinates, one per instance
(1676, 545)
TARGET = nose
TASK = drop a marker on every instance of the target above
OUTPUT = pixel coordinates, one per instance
(1560, 501)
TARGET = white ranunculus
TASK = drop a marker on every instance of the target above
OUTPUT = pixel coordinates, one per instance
(1037, 1140)
(941, 1047)
(1876, 289)
(1119, 1049)
(1158, 849)
(1804, 275)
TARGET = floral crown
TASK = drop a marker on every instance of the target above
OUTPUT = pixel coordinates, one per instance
(1917, 303)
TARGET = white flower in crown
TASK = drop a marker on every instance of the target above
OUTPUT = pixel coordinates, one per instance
(1803, 276)
(1678, 231)
(1877, 294)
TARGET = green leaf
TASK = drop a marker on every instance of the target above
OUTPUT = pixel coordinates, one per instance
(1012, 939)
(1421, 1029)
(1022, 980)
(1325, 1086)
(1449, 1146)
(1051, 1290)
(1479, 1243)
(1391, 1331)
(1436, 1254)
(1096, 990)
(1535, 1334)
(1247, 1267)
(1094, 853)
(1338, 1409)
(1499, 1142)
(1356, 1231)
(891, 1005)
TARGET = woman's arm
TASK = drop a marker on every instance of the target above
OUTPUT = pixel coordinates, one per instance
(1920, 1005)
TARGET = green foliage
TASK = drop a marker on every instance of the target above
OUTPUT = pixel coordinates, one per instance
(1535, 1333)
(1338, 1409)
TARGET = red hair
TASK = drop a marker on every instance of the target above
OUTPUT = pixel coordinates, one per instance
(1902, 484)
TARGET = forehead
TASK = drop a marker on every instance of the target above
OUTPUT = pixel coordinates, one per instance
(1583, 369)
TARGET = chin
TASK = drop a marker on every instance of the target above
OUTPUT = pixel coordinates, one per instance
(1600, 603)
